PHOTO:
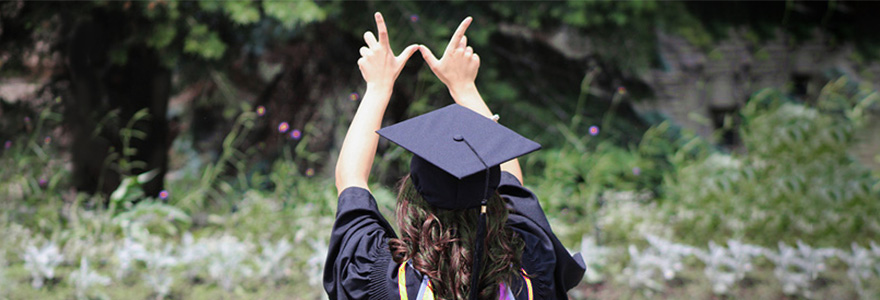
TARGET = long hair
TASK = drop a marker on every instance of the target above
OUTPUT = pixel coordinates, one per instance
(440, 244)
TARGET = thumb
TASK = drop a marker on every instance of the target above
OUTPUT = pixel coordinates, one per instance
(408, 52)
(428, 56)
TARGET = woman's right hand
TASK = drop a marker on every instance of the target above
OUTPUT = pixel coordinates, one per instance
(378, 65)
(459, 65)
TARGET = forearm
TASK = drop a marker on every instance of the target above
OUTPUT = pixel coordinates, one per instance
(512, 167)
(467, 95)
(359, 146)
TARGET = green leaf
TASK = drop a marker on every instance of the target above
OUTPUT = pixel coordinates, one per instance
(123, 190)
(292, 13)
(147, 176)
(209, 5)
(162, 35)
(204, 42)
(242, 12)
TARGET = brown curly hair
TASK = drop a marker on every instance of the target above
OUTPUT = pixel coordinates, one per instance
(439, 243)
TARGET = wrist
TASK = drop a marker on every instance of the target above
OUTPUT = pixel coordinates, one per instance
(462, 90)
(379, 88)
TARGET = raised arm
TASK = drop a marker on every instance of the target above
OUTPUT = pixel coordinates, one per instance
(380, 69)
(458, 70)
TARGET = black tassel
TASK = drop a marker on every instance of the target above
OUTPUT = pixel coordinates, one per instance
(478, 252)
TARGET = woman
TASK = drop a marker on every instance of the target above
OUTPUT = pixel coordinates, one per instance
(458, 210)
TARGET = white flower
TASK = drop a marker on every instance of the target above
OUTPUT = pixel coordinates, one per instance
(42, 262)
(158, 274)
(641, 271)
(718, 262)
(860, 264)
(742, 255)
(226, 264)
(661, 258)
(796, 268)
(3, 284)
(127, 255)
(594, 256)
(273, 262)
(813, 259)
(84, 278)
(316, 261)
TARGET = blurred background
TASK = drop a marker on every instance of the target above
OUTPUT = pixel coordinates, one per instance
(185, 149)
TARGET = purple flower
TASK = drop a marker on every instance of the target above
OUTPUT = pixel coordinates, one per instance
(594, 130)
(283, 127)
(7, 144)
(43, 182)
(414, 18)
(354, 97)
(296, 134)
(163, 194)
(27, 119)
(47, 140)
(261, 110)
(621, 90)
(310, 172)
(637, 171)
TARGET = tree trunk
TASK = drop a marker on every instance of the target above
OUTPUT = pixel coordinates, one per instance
(103, 97)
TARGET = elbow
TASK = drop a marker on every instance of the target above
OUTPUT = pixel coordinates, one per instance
(338, 175)
(347, 178)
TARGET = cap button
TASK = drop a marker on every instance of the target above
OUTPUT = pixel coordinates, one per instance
(458, 138)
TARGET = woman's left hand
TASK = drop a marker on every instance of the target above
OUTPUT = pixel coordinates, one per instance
(378, 65)
(458, 66)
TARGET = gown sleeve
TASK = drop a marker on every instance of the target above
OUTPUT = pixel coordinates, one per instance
(359, 262)
(551, 268)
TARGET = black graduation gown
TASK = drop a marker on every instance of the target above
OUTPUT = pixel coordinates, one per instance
(359, 263)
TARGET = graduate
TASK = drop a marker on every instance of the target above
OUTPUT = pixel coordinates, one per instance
(468, 227)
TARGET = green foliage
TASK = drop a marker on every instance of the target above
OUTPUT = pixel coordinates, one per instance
(625, 31)
(206, 31)
(793, 181)
(153, 218)
(162, 36)
(31, 172)
(204, 42)
(241, 12)
(129, 132)
(294, 13)
(605, 13)
(209, 186)
(796, 180)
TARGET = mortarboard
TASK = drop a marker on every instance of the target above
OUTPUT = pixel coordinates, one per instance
(451, 146)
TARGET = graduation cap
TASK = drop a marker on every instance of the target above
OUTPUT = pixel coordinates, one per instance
(452, 145)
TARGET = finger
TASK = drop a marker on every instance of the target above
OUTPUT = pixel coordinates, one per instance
(365, 51)
(468, 50)
(383, 31)
(405, 55)
(456, 37)
(428, 56)
(370, 39)
(476, 58)
(463, 42)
